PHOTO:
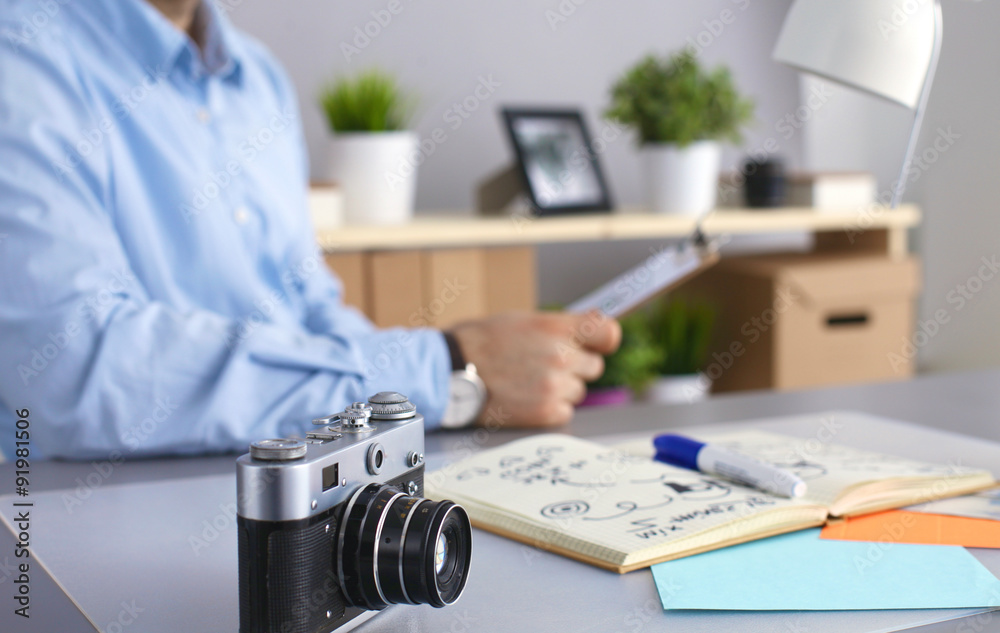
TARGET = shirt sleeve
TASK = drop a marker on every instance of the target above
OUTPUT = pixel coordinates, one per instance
(103, 367)
(415, 362)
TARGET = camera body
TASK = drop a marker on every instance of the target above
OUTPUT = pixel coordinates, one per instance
(334, 527)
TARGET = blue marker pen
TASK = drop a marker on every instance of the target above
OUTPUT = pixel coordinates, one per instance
(678, 450)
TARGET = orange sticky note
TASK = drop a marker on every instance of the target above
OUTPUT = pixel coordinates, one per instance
(901, 526)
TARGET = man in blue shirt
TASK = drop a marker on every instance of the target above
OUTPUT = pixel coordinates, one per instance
(161, 289)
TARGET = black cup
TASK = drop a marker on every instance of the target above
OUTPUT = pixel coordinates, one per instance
(766, 185)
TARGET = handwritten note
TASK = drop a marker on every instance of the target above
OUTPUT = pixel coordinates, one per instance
(616, 507)
(579, 491)
(832, 471)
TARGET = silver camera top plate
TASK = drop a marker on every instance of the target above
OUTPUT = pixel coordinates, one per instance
(336, 462)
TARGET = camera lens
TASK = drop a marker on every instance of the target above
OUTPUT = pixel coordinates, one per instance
(440, 554)
(394, 548)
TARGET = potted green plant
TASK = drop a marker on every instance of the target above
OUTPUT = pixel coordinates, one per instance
(681, 113)
(371, 152)
(681, 331)
(630, 369)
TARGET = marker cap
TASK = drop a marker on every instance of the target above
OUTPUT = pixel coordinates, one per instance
(678, 450)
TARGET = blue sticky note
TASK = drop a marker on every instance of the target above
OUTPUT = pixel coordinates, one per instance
(800, 571)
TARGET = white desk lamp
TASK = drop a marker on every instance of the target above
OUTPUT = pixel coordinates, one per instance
(889, 48)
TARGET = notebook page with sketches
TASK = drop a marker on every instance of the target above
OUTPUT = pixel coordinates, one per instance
(846, 480)
(620, 512)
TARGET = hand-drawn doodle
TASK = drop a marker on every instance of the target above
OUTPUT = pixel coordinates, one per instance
(616, 457)
(703, 490)
(472, 472)
(722, 508)
(565, 509)
(545, 451)
(543, 470)
(805, 470)
(649, 528)
(628, 507)
(506, 462)
(700, 490)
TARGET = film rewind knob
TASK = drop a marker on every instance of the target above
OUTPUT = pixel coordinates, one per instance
(278, 450)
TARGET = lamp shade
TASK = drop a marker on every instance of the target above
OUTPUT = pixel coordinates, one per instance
(884, 47)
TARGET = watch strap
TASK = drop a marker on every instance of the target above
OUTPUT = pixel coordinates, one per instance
(454, 351)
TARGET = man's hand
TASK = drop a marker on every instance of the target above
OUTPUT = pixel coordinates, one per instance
(536, 365)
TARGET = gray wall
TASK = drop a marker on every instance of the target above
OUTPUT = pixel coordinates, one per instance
(440, 48)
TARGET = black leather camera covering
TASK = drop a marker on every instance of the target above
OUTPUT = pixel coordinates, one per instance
(288, 571)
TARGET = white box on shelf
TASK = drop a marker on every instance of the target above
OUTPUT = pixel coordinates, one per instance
(832, 192)
(326, 206)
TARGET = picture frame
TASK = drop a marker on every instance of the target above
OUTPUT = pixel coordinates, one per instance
(559, 168)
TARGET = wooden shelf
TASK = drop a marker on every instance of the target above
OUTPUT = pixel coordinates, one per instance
(400, 275)
(436, 231)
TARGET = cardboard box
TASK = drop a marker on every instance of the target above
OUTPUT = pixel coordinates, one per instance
(454, 286)
(395, 288)
(350, 269)
(510, 279)
(442, 287)
(795, 321)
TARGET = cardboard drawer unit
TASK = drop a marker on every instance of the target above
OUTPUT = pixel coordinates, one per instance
(795, 321)
(350, 269)
(437, 287)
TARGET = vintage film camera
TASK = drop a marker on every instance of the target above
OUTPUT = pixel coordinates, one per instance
(334, 527)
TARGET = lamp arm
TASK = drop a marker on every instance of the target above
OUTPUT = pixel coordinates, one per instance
(918, 118)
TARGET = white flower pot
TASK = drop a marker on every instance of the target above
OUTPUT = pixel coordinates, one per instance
(681, 181)
(377, 173)
(678, 389)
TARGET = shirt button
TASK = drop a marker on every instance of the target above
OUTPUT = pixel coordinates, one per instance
(203, 115)
(241, 215)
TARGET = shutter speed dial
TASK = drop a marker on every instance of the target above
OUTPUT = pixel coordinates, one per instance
(387, 406)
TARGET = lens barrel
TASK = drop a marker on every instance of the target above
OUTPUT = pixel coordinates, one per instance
(398, 549)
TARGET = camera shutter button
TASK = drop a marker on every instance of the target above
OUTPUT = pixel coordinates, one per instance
(355, 417)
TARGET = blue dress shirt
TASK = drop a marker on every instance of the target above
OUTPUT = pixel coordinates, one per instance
(161, 289)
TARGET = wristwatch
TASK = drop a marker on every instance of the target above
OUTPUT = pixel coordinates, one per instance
(468, 391)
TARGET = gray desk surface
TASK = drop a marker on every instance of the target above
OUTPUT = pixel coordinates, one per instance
(962, 403)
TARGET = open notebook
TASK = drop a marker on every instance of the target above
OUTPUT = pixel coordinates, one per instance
(616, 508)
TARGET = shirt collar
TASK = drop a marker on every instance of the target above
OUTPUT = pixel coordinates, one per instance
(221, 53)
(160, 46)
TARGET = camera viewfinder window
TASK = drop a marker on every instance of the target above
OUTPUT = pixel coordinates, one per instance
(331, 477)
